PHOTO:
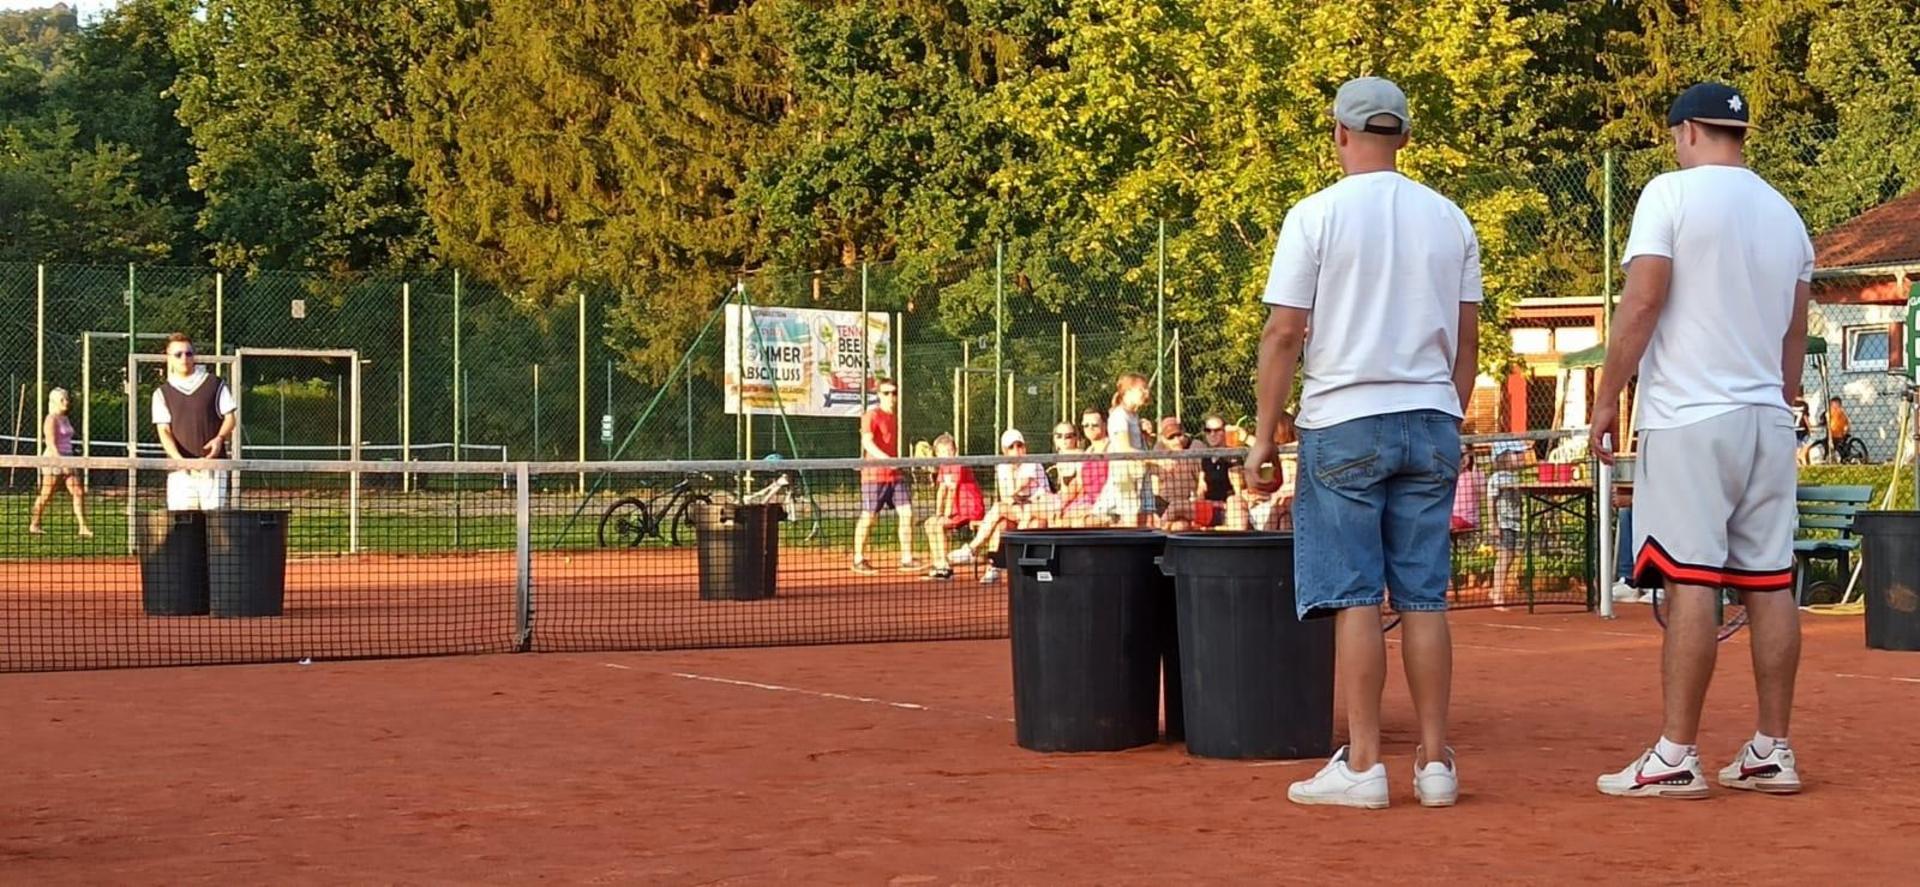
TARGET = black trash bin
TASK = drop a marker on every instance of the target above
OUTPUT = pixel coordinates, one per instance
(1890, 577)
(739, 549)
(1088, 616)
(172, 548)
(247, 562)
(1257, 682)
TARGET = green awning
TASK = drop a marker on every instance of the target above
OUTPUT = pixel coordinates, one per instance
(1589, 358)
(1585, 358)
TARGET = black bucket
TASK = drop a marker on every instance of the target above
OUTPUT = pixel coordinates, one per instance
(1087, 613)
(172, 549)
(739, 550)
(247, 562)
(1890, 577)
(1258, 682)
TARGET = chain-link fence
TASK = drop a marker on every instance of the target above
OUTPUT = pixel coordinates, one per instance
(1024, 334)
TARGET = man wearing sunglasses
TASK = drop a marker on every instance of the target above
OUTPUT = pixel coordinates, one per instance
(1220, 475)
(196, 417)
(882, 488)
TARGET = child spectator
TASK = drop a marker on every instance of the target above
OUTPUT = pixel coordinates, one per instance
(957, 506)
(1503, 487)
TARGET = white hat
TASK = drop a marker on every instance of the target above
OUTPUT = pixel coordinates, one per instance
(1010, 437)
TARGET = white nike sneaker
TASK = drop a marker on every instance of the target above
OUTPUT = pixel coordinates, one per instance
(1336, 784)
(1438, 783)
(960, 556)
(1624, 593)
(1774, 774)
(991, 576)
(1652, 777)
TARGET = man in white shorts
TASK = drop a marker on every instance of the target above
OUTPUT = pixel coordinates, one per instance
(1714, 314)
(196, 417)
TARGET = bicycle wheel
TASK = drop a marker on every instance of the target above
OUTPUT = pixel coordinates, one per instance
(1733, 615)
(683, 516)
(625, 523)
(1853, 451)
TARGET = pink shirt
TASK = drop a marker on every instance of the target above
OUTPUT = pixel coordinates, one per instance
(62, 436)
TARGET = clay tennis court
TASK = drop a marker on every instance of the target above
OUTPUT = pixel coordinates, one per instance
(895, 764)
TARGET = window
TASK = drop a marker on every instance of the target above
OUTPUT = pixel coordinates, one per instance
(1532, 340)
(1867, 348)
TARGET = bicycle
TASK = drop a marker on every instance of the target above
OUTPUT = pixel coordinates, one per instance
(1851, 450)
(630, 520)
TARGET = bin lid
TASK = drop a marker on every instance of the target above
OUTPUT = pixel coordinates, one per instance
(1229, 539)
(1088, 537)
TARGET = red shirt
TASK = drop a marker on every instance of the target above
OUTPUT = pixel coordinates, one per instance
(967, 502)
(885, 428)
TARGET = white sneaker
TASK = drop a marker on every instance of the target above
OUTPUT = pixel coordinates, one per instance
(1774, 774)
(961, 555)
(991, 576)
(1336, 784)
(1652, 777)
(1438, 783)
(1625, 593)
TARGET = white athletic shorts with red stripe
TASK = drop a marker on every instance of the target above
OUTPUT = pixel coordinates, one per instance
(1715, 502)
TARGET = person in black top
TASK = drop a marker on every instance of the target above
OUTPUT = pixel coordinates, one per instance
(1220, 475)
(196, 417)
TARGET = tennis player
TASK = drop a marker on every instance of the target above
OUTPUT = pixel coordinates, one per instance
(1387, 272)
(1714, 315)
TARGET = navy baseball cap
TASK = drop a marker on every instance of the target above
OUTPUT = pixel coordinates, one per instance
(1715, 103)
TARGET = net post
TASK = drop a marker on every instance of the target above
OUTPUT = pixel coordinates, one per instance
(86, 407)
(133, 449)
(39, 356)
(406, 386)
(523, 559)
(353, 480)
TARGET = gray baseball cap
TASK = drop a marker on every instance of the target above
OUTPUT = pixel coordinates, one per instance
(1363, 98)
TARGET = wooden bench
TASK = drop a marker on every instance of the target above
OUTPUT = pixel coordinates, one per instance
(1826, 530)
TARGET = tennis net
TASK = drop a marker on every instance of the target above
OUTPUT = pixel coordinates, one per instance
(651, 556)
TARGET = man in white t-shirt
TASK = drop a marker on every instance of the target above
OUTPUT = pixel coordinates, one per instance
(196, 417)
(1387, 272)
(1714, 314)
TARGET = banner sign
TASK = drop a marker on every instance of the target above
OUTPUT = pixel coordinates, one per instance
(805, 361)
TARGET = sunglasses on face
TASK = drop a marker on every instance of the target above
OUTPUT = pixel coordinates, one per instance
(1215, 430)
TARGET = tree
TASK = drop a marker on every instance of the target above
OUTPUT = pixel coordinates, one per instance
(61, 201)
(569, 147)
(286, 101)
(1216, 112)
(116, 85)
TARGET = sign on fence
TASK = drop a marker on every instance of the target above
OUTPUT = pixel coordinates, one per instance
(805, 361)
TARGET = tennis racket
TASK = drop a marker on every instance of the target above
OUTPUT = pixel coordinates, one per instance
(1732, 614)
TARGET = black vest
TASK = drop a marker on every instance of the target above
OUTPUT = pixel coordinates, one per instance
(196, 416)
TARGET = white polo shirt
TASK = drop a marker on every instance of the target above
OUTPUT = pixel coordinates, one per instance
(1738, 250)
(1383, 263)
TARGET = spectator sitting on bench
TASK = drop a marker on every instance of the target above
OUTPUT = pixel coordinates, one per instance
(1023, 502)
(957, 506)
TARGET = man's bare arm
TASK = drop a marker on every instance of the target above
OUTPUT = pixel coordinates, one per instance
(1793, 351)
(1466, 361)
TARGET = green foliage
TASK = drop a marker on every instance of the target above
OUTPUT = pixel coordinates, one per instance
(62, 202)
(285, 101)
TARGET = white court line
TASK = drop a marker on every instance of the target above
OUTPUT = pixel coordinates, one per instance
(1617, 634)
(1878, 677)
(818, 694)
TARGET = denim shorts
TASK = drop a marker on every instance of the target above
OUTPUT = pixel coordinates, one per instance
(1372, 510)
